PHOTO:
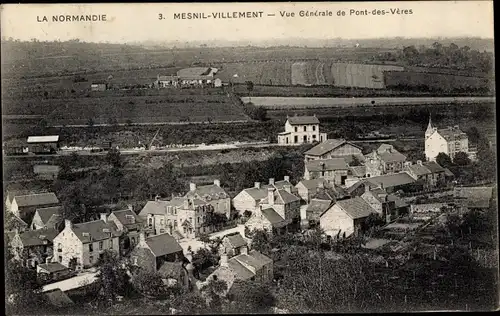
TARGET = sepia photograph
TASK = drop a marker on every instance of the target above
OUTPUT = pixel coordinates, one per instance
(249, 158)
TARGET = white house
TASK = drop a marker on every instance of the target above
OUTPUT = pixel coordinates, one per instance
(301, 130)
(450, 141)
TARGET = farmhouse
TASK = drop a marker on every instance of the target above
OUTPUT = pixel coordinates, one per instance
(449, 141)
(345, 217)
(334, 170)
(129, 224)
(334, 148)
(301, 130)
(43, 144)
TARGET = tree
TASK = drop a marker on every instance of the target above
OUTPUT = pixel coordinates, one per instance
(113, 158)
(250, 298)
(113, 278)
(461, 159)
(22, 291)
(214, 291)
(249, 88)
(261, 241)
(204, 258)
(90, 122)
(149, 284)
(444, 160)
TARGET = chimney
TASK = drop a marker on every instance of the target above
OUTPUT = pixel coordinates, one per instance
(47, 260)
(419, 162)
(157, 198)
(223, 260)
(381, 185)
(257, 185)
(244, 250)
(271, 181)
(192, 186)
(270, 196)
(288, 188)
(104, 217)
(258, 211)
(286, 178)
(130, 207)
(142, 237)
(217, 182)
(67, 223)
(367, 187)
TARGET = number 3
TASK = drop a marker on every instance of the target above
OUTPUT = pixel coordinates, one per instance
(160, 16)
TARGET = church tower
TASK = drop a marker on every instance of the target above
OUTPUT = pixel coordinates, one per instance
(430, 129)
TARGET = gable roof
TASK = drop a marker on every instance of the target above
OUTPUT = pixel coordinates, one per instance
(193, 71)
(419, 170)
(211, 190)
(302, 120)
(393, 156)
(13, 193)
(123, 215)
(382, 196)
(316, 208)
(36, 199)
(358, 171)
(274, 218)
(327, 164)
(327, 146)
(281, 197)
(355, 207)
(12, 221)
(452, 133)
(433, 166)
(160, 207)
(163, 244)
(259, 194)
(239, 271)
(448, 173)
(46, 213)
(168, 78)
(392, 180)
(52, 267)
(474, 197)
(236, 240)
(43, 139)
(95, 231)
(37, 237)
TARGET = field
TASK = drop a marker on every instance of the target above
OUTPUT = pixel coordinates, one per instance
(260, 73)
(304, 103)
(434, 81)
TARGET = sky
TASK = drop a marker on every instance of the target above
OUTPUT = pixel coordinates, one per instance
(140, 22)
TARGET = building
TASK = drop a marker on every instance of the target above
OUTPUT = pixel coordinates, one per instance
(384, 160)
(269, 220)
(33, 247)
(248, 199)
(232, 244)
(47, 217)
(13, 223)
(167, 81)
(388, 206)
(245, 267)
(24, 206)
(284, 203)
(43, 144)
(333, 170)
(212, 194)
(98, 86)
(196, 76)
(11, 194)
(52, 271)
(345, 217)
(449, 141)
(129, 224)
(307, 189)
(301, 130)
(176, 273)
(334, 148)
(46, 172)
(81, 245)
(394, 182)
(320, 201)
(151, 252)
(430, 174)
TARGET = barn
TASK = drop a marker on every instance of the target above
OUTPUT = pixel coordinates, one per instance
(43, 144)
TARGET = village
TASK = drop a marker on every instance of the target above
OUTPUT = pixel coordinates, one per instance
(379, 199)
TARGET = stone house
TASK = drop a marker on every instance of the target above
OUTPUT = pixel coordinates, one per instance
(285, 203)
(449, 141)
(231, 244)
(24, 206)
(301, 130)
(388, 206)
(345, 217)
(34, 246)
(151, 252)
(81, 245)
(269, 220)
(334, 148)
(384, 160)
(52, 271)
(334, 170)
(429, 174)
(47, 217)
(129, 224)
(248, 199)
(212, 194)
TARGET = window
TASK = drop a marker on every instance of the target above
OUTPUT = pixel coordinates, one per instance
(60, 258)
(132, 239)
(314, 136)
(296, 139)
(296, 129)
(198, 220)
(175, 211)
(101, 244)
(191, 220)
(134, 260)
(314, 128)
(150, 222)
(59, 247)
(175, 223)
(162, 231)
(110, 244)
(91, 247)
(305, 128)
(305, 138)
(169, 210)
(91, 259)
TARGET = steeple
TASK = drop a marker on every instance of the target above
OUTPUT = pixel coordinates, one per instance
(430, 129)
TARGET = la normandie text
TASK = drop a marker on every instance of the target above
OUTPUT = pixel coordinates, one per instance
(73, 18)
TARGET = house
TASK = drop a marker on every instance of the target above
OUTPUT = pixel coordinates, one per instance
(245, 267)
(217, 82)
(167, 81)
(429, 173)
(388, 206)
(81, 245)
(212, 194)
(357, 172)
(345, 217)
(32, 247)
(395, 181)
(334, 170)
(307, 189)
(129, 224)
(301, 130)
(248, 199)
(315, 208)
(151, 252)
(449, 141)
(46, 172)
(334, 148)
(43, 144)
(10, 194)
(98, 86)
(47, 217)
(13, 223)
(479, 198)
(285, 203)
(175, 273)
(358, 188)
(195, 76)
(231, 244)
(269, 220)
(52, 271)
(24, 206)
(384, 160)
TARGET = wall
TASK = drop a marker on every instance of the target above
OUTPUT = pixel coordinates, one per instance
(243, 201)
(107, 244)
(344, 150)
(434, 145)
(335, 219)
(71, 247)
(375, 204)
(145, 258)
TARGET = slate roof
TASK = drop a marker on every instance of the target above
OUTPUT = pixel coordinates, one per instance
(448, 173)
(419, 170)
(58, 298)
(327, 164)
(303, 120)
(168, 78)
(13, 193)
(475, 197)
(451, 134)
(358, 171)
(380, 194)
(239, 270)
(433, 166)
(52, 267)
(160, 207)
(259, 194)
(392, 180)
(163, 244)
(390, 157)
(95, 231)
(274, 218)
(171, 270)
(36, 199)
(211, 190)
(324, 147)
(43, 139)
(355, 207)
(236, 240)
(33, 238)
(281, 197)
(123, 218)
(316, 208)
(46, 213)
